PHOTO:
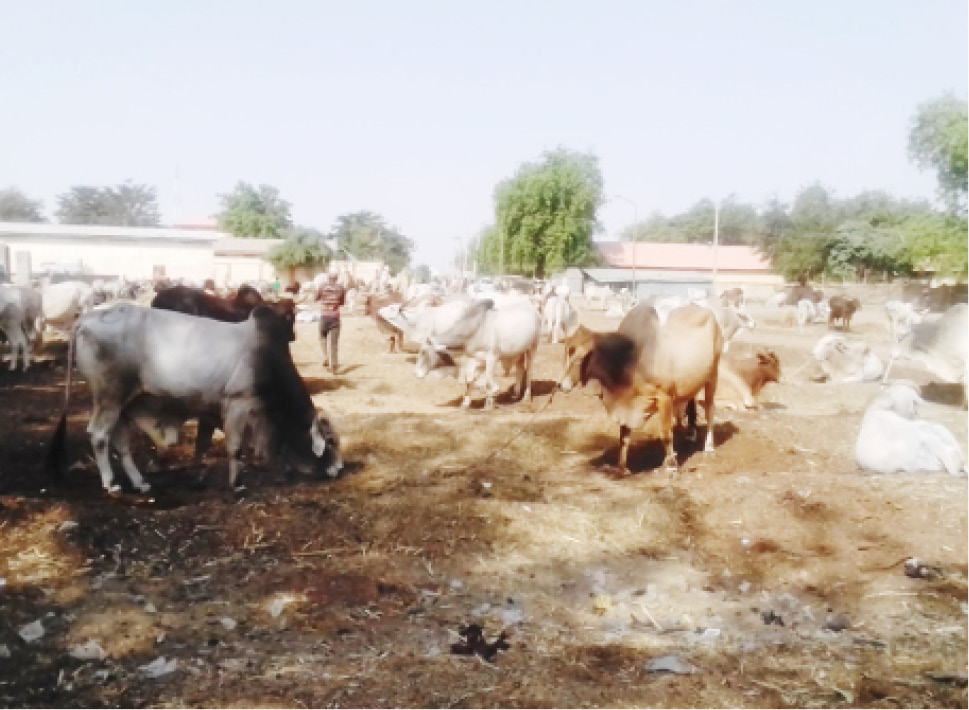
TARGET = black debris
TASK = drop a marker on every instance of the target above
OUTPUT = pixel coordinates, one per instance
(770, 617)
(475, 644)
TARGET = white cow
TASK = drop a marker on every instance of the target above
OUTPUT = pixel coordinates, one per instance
(892, 439)
(844, 361)
(595, 293)
(560, 318)
(485, 335)
(21, 320)
(64, 302)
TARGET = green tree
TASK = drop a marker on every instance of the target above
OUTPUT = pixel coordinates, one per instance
(935, 242)
(15, 206)
(365, 236)
(938, 141)
(248, 211)
(303, 246)
(546, 213)
(125, 205)
(422, 274)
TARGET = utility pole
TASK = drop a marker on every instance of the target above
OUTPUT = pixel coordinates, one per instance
(634, 248)
(716, 240)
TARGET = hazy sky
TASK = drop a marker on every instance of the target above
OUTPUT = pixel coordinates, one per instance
(416, 110)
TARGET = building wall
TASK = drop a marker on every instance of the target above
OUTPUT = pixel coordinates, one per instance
(233, 271)
(132, 258)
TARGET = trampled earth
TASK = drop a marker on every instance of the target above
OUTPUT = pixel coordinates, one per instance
(772, 572)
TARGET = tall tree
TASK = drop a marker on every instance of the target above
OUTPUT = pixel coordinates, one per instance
(364, 235)
(253, 212)
(15, 206)
(938, 141)
(303, 246)
(125, 205)
(546, 213)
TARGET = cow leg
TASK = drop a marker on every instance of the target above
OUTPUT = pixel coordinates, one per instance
(491, 387)
(100, 428)
(664, 410)
(691, 428)
(235, 417)
(625, 434)
(709, 392)
(121, 440)
(527, 374)
(203, 437)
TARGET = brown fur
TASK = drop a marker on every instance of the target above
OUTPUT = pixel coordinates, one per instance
(747, 374)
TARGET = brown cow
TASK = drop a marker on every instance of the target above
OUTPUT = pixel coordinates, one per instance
(747, 374)
(842, 309)
(732, 297)
(647, 367)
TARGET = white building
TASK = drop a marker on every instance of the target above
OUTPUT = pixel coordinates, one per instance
(134, 252)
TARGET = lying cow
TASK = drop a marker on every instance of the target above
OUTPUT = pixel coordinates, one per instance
(892, 439)
(197, 302)
(940, 346)
(162, 367)
(843, 361)
(484, 335)
(748, 374)
(648, 367)
(842, 308)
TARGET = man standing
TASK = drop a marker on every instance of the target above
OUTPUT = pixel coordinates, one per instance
(331, 297)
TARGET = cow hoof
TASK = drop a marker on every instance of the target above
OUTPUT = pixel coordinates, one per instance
(113, 490)
(144, 487)
(708, 449)
(465, 403)
(333, 471)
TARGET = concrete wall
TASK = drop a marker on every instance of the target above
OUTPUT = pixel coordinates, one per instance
(133, 258)
(233, 271)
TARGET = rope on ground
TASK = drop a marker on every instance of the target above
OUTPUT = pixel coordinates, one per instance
(528, 423)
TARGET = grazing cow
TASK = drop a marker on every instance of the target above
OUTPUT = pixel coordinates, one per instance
(892, 439)
(747, 374)
(165, 367)
(901, 317)
(196, 302)
(843, 361)
(63, 302)
(940, 346)
(842, 309)
(649, 367)
(733, 297)
(484, 334)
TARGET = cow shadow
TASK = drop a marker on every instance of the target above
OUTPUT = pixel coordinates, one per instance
(317, 385)
(944, 393)
(647, 454)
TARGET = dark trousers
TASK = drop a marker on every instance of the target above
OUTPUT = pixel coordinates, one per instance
(329, 341)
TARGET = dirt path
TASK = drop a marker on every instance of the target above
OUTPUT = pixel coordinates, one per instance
(772, 568)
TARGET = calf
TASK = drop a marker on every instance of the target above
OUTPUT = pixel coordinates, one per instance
(842, 309)
(748, 374)
(146, 364)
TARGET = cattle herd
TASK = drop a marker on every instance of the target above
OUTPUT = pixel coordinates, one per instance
(224, 361)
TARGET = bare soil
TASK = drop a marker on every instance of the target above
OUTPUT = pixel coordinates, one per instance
(774, 567)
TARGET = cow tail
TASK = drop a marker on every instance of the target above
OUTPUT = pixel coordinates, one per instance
(56, 461)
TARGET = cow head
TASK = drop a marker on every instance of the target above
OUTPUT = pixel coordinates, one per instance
(431, 356)
(326, 445)
(577, 346)
(768, 366)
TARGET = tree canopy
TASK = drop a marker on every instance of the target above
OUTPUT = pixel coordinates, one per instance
(365, 236)
(938, 141)
(15, 206)
(545, 215)
(252, 212)
(125, 205)
(303, 246)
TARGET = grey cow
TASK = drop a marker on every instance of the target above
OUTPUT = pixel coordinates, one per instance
(154, 369)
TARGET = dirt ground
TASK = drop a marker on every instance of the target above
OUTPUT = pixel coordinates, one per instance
(772, 569)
